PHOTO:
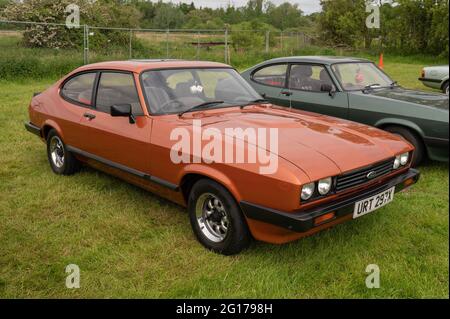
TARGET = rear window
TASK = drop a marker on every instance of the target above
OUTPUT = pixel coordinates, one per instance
(274, 75)
(79, 88)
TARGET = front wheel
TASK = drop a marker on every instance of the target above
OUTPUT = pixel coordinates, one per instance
(216, 219)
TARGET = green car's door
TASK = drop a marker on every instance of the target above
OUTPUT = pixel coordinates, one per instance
(305, 91)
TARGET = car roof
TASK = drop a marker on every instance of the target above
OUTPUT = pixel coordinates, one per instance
(138, 66)
(318, 59)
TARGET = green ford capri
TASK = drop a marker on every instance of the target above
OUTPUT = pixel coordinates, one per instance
(357, 90)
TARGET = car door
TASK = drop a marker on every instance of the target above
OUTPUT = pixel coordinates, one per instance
(307, 89)
(270, 82)
(116, 139)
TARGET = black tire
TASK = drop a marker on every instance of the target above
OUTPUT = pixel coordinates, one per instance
(412, 138)
(237, 237)
(445, 88)
(66, 164)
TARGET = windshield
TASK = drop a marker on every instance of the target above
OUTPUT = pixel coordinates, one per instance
(178, 90)
(357, 76)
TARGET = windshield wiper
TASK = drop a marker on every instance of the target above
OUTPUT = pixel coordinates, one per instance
(199, 106)
(395, 83)
(257, 101)
(371, 86)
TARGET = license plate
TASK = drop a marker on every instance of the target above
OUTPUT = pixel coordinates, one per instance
(370, 204)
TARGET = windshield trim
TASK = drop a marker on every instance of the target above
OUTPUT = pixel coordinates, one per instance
(359, 62)
(147, 105)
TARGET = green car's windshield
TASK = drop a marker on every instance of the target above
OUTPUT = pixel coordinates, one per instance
(358, 76)
(176, 91)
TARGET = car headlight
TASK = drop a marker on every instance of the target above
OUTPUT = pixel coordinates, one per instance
(308, 191)
(396, 162)
(324, 186)
(404, 159)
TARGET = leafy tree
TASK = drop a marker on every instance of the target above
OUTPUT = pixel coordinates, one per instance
(285, 16)
(99, 13)
(168, 16)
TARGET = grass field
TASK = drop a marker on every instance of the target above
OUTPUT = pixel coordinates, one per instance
(129, 243)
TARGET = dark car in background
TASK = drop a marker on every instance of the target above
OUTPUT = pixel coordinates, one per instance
(357, 90)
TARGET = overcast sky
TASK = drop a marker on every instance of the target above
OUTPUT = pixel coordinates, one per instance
(307, 6)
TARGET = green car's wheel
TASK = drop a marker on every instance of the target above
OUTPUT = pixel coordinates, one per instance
(412, 138)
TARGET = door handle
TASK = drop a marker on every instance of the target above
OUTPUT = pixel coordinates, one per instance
(89, 116)
(286, 93)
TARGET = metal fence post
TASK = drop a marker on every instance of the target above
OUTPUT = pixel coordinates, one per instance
(226, 45)
(281, 40)
(167, 43)
(198, 46)
(86, 44)
(130, 45)
(267, 41)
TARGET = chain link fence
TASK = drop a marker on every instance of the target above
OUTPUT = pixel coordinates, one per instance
(104, 43)
(42, 50)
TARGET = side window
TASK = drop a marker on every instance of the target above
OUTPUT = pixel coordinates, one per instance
(115, 89)
(307, 77)
(274, 75)
(79, 88)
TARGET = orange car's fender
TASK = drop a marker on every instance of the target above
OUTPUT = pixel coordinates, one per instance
(212, 173)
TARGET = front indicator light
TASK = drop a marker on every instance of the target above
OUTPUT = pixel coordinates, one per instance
(324, 186)
(404, 159)
(408, 182)
(308, 191)
(324, 218)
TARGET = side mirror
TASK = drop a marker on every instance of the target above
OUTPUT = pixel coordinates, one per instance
(328, 88)
(123, 110)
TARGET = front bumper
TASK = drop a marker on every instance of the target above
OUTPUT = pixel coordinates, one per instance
(303, 221)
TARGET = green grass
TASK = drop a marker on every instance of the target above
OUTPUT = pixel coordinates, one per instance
(130, 243)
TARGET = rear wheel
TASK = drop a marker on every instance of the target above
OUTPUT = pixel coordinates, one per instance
(60, 159)
(216, 219)
(412, 138)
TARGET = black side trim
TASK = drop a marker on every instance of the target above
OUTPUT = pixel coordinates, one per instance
(430, 80)
(124, 168)
(435, 141)
(302, 221)
(33, 129)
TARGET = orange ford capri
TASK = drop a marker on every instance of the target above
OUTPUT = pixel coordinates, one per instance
(197, 134)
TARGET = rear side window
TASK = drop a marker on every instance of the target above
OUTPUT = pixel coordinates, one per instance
(274, 75)
(79, 88)
(116, 89)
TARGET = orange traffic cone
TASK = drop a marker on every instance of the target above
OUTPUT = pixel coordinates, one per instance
(381, 63)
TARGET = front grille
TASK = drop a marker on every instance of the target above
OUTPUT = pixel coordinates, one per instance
(359, 177)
